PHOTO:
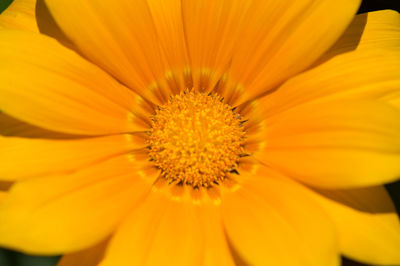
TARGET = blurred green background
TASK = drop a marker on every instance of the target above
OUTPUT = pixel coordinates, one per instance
(3, 5)
(13, 258)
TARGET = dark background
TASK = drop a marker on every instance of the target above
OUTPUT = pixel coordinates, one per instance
(3, 5)
(12, 258)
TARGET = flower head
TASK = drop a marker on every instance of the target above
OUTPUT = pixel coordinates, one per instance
(188, 132)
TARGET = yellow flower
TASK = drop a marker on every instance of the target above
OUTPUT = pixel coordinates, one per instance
(194, 132)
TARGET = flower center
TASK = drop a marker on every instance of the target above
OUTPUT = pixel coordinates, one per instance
(196, 139)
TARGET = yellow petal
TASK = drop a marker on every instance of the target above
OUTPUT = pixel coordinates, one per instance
(20, 15)
(336, 144)
(216, 247)
(361, 74)
(378, 29)
(5, 185)
(10, 126)
(48, 26)
(279, 39)
(137, 41)
(212, 29)
(260, 43)
(167, 20)
(34, 16)
(271, 221)
(21, 157)
(119, 36)
(367, 224)
(60, 91)
(158, 232)
(2, 195)
(67, 213)
(87, 257)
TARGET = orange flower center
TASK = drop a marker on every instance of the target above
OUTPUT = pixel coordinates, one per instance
(196, 139)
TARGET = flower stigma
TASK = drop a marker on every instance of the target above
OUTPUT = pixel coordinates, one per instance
(196, 139)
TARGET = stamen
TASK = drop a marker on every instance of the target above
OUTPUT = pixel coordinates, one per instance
(196, 140)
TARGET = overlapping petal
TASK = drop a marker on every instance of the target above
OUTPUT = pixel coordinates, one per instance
(372, 30)
(20, 15)
(276, 42)
(119, 36)
(336, 143)
(367, 223)
(217, 250)
(335, 126)
(157, 232)
(5, 185)
(10, 126)
(39, 157)
(271, 221)
(134, 40)
(372, 74)
(87, 257)
(48, 26)
(34, 16)
(59, 90)
(70, 212)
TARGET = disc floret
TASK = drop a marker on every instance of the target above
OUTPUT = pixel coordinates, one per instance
(196, 139)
